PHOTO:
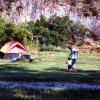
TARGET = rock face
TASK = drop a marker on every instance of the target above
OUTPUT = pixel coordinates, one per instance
(22, 11)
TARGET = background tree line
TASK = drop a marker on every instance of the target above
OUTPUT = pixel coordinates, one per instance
(9, 31)
(54, 31)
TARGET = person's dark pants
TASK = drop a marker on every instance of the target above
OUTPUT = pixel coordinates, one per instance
(74, 61)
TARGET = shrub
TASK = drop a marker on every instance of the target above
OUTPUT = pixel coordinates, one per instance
(58, 49)
(95, 13)
(9, 32)
(43, 47)
(9, 7)
(19, 7)
(87, 1)
(64, 46)
(86, 14)
(50, 47)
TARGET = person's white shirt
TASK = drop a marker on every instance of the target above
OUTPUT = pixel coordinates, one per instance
(74, 53)
(69, 62)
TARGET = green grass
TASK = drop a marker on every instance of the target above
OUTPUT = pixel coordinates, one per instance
(57, 94)
(48, 67)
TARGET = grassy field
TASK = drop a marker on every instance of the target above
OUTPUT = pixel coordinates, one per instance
(48, 67)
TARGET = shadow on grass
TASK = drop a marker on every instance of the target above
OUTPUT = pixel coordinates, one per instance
(16, 72)
(36, 94)
(53, 69)
(14, 68)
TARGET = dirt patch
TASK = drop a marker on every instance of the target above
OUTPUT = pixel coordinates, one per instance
(91, 48)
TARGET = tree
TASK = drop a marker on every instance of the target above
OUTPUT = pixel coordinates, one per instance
(45, 35)
(23, 35)
(42, 21)
(9, 31)
(61, 25)
(31, 26)
(78, 32)
(2, 35)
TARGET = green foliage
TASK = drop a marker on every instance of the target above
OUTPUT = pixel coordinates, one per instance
(58, 49)
(42, 21)
(87, 1)
(9, 31)
(64, 46)
(46, 36)
(9, 7)
(31, 26)
(78, 30)
(61, 25)
(43, 47)
(95, 13)
(42, 33)
(19, 7)
(49, 47)
(49, 65)
(2, 26)
(21, 93)
(23, 35)
(53, 31)
(86, 14)
(55, 38)
(11, 0)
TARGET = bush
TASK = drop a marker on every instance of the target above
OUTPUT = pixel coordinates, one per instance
(9, 31)
(87, 1)
(86, 14)
(58, 49)
(43, 47)
(19, 7)
(64, 46)
(95, 13)
(50, 47)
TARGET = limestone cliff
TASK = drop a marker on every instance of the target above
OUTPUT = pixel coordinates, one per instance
(19, 11)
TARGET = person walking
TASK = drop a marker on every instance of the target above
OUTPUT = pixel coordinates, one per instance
(74, 56)
(69, 62)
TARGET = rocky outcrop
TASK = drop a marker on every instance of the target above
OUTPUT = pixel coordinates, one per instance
(27, 10)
